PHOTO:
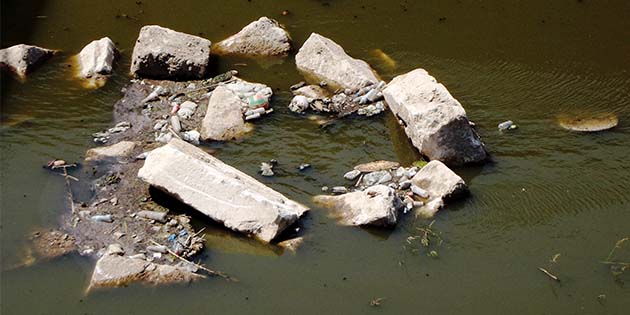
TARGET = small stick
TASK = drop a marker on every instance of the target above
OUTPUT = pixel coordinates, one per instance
(208, 87)
(199, 232)
(212, 272)
(70, 196)
(616, 263)
(68, 176)
(549, 274)
(359, 181)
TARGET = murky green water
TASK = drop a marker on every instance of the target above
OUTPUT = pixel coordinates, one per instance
(549, 191)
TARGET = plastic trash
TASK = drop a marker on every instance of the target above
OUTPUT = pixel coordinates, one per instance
(252, 117)
(505, 125)
(153, 215)
(339, 190)
(107, 218)
(258, 100)
(419, 191)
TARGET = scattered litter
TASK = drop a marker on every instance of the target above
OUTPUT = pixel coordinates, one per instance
(107, 218)
(339, 190)
(266, 169)
(507, 125)
(191, 136)
(153, 215)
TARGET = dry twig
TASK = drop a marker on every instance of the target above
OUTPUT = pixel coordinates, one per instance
(210, 271)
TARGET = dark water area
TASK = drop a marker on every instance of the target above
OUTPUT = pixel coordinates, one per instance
(548, 190)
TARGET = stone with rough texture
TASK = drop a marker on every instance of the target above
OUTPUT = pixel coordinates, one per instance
(219, 191)
(96, 60)
(322, 59)
(162, 53)
(376, 166)
(121, 149)
(22, 59)
(224, 117)
(377, 206)
(299, 104)
(434, 120)
(264, 37)
(441, 183)
(113, 270)
(314, 92)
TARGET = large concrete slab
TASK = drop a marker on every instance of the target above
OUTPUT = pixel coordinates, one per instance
(219, 191)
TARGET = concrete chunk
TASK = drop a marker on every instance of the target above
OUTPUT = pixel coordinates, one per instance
(96, 61)
(224, 118)
(377, 206)
(113, 270)
(434, 120)
(121, 149)
(322, 59)
(219, 191)
(441, 184)
(22, 59)
(162, 53)
(264, 37)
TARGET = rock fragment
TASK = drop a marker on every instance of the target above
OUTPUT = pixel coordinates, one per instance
(122, 149)
(114, 270)
(376, 166)
(22, 59)
(441, 184)
(377, 205)
(264, 37)
(322, 59)
(96, 61)
(224, 118)
(162, 53)
(433, 119)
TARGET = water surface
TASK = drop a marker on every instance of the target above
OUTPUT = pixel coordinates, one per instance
(548, 191)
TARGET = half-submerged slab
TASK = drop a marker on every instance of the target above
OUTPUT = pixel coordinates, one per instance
(377, 206)
(115, 270)
(434, 120)
(96, 62)
(116, 151)
(322, 59)
(442, 185)
(162, 53)
(219, 191)
(22, 59)
(264, 37)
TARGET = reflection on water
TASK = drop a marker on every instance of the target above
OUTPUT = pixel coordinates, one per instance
(547, 190)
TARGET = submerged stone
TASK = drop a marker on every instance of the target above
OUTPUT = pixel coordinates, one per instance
(22, 59)
(589, 123)
(114, 270)
(376, 166)
(121, 149)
